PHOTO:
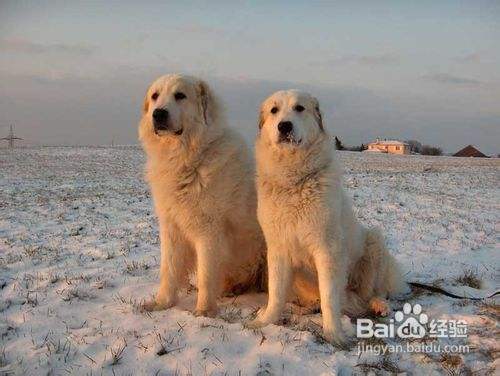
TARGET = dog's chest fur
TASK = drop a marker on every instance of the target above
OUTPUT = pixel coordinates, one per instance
(301, 204)
(190, 194)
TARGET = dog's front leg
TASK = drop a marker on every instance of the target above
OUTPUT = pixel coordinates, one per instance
(211, 252)
(332, 282)
(280, 278)
(174, 251)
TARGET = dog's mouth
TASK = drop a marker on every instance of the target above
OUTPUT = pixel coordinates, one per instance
(289, 139)
(161, 132)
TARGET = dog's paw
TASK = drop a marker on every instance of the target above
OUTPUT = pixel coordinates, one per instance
(155, 305)
(380, 306)
(261, 320)
(210, 312)
(338, 339)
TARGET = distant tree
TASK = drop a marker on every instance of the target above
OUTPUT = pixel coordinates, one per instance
(356, 148)
(338, 144)
(431, 150)
(415, 146)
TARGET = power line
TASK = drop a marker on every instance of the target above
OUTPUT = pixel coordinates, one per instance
(11, 137)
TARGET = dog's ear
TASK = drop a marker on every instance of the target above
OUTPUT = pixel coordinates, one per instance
(145, 104)
(208, 103)
(262, 118)
(317, 114)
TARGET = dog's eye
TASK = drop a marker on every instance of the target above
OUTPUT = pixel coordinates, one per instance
(154, 96)
(179, 96)
(299, 108)
(274, 110)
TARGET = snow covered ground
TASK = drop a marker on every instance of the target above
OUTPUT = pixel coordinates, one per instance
(79, 252)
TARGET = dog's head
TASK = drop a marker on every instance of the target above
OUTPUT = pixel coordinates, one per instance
(290, 119)
(177, 107)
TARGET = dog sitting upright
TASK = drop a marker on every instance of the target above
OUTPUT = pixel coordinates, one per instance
(201, 179)
(314, 241)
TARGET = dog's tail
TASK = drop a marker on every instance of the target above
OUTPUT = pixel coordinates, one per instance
(390, 281)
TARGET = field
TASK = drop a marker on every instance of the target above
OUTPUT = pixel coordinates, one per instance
(79, 252)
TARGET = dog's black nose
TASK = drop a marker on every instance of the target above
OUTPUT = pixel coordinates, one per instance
(285, 127)
(160, 117)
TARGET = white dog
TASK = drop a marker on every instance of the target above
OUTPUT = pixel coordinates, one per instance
(201, 179)
(314, 241)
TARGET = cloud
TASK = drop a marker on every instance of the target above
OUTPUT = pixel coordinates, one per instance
(57, 108)
(366, 59)
(29, 47)
(199, 29)
(448, 79)
(468, 58)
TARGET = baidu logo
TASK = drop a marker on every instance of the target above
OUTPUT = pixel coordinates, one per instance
(411, 323)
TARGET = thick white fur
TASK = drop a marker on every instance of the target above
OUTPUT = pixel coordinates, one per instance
(315, 243)
(204, 195)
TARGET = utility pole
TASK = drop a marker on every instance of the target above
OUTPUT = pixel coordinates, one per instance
(11, 137)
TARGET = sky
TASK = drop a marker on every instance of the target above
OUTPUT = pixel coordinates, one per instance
(76, 72)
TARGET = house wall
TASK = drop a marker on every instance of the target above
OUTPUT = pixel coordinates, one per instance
(393, 149)
(397, 149)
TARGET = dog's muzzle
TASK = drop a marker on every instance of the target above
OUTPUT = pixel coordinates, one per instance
(161, 122)
(285, 129)
(160, 119)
